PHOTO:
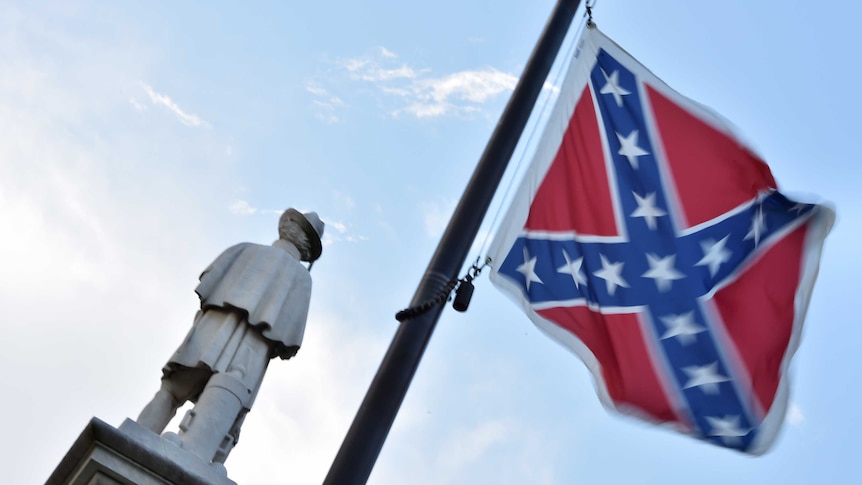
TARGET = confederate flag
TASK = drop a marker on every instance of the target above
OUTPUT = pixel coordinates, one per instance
(647, 238)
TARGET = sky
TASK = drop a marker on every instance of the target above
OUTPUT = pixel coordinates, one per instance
(138, 141)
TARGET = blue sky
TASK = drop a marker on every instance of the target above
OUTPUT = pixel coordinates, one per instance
(138, 141)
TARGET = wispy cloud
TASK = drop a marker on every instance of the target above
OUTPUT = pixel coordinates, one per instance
(339, 231)
(338, 226)
(423, 95)
(436, 216)
(344, 201)
(475, 86)
(794, 415)
(166, 102)
(462, 91)
(367, 70)
(328, 106)
(387, 53)
(137, 105)
(473, 443)
(316, 90)
(243, 208)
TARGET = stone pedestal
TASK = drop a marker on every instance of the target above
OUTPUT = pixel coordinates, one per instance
(131, 455)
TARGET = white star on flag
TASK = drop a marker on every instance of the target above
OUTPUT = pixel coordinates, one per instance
(573, 268)
(612, 274)
(726, 428)
(528, 269)
(705, 377)
(662, 271)
(798, 208)
(758, 225)
(714, 254)
(629, 148)
(683, 327)
(647, 209)
(612, 86)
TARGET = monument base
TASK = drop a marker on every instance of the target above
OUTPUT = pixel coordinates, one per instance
(131, 455)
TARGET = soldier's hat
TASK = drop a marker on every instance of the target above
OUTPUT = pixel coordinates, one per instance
(312, 226)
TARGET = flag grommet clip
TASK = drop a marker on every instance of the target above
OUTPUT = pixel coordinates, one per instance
(464, 292)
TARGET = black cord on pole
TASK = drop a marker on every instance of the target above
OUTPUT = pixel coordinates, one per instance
(445, 291)
(440, 297)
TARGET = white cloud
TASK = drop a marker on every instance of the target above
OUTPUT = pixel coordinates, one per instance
(426, 96)
(338, 226)
(378, 68)
(330, 104)
(327, 118)
(337, 231)
(371, 72)
(354, 64)
(436, 216)
(476, 86)
(425, 110)
(165, 101)
(794, 415)
(344, 200)
(400, 92)
(243, 208)
(138, 106)
(461, 92)
(316, 90)
(326, 112)
(468, 446)
(327, 105)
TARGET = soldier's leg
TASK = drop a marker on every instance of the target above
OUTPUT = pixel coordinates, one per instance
(177, 387)
(210, 429)
(255, 375)
(232, 438)
(159, 411)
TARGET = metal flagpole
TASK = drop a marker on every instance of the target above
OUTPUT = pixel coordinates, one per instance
(361, 446)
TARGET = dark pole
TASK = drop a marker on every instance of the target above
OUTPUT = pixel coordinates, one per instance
(371, 425)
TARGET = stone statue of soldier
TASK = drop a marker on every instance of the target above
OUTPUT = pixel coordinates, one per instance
(254, 305)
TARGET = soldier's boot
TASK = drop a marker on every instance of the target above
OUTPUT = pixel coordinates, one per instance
(205, 427)
(230, 440)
